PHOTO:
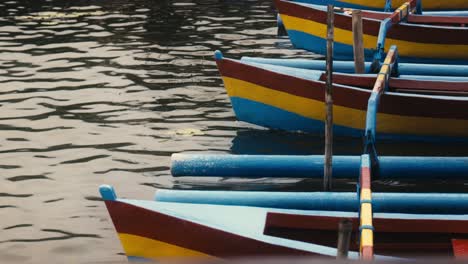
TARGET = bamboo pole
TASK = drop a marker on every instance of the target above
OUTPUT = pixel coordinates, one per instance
(327, 175)
(358, 42)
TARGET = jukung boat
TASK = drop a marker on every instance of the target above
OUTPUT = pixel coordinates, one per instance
(420, 38)
(393, 4)
(232, 224)
(292, 99)
(159, 230)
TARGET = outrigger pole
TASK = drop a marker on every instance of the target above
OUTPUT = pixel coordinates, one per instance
(399, 15)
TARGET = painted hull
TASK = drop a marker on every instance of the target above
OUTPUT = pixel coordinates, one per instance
(306, 26)
(380, 4)
(281, 98)
(163, 230)
(158, 230)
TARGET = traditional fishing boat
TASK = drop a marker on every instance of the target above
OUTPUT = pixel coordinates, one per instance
(420, 38)
(233, 224)
(160, 230)
(380, 5)
(292, 99)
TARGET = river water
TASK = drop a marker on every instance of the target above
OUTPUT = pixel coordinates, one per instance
(95, 92)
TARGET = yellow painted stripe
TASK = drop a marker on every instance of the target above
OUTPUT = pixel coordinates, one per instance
(384, 69)
(345, 116)
(366, 214)
(137, 246)
(366, 194)
(388, 59)
(367, 238)
(427, 4)
(405, 48)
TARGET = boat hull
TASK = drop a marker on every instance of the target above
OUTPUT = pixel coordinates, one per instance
(267, 96)
(158, 231)
(380, 5)
(307, 29)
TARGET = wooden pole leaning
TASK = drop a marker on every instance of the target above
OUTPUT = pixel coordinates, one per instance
(327, 176)
(358, 42)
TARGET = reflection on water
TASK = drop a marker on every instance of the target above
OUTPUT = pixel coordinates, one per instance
(105, 91)
(268, 142)
(99, 92)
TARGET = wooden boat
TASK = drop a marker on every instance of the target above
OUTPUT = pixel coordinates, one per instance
(293, 99)
(234, 224)
(417, 40)
(161, 230)
(381, 4)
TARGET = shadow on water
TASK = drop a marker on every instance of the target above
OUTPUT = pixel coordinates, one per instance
(274, 142)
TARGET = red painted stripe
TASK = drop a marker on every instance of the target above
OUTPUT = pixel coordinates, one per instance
(399, 83)
(374, 15)
(406, 84)
(460, 248)
(365, 179)
(316, 222)
(352, 80)
(406, 32)
(381, 225)
(367, 253)
(342, 96)
(421, 86)
(292, 85)
(138, 221)
(422, 19)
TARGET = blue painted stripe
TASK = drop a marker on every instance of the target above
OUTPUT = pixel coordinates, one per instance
(272, 117)
(275, 118)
